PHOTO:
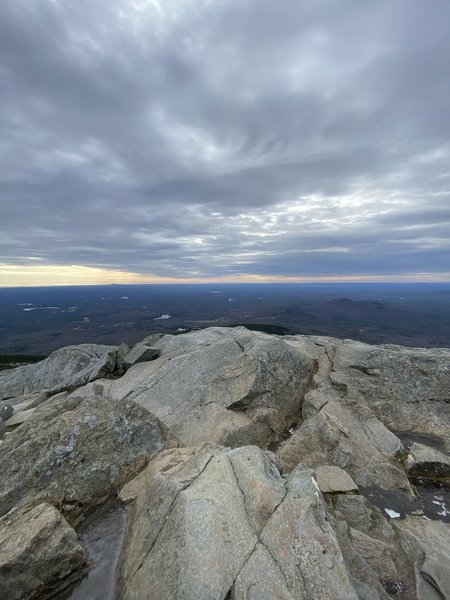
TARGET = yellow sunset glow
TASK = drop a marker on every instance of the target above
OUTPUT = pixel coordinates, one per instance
(54, 275)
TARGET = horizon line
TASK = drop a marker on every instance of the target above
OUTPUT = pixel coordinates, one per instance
(215, 282)
(54, 275)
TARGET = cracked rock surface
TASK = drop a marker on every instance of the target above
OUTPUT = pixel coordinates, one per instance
(351, 502)
(224, 522)
(224, 386)
(75, 452)
(66, 368)
(38, 552)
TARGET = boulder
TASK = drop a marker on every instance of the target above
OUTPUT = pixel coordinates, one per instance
(428, 462)
(225, 524)
(407, 389)
(26, 401)
(383, 439)
(332, 479)
(6, 410)
(39, 553)
(76, 452)
(223, 386)
(19, 417)
(64, 369)
(334, 435)
(372, 550)
(428, 543)
(140, 353)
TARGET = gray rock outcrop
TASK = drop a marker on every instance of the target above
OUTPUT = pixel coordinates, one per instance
(140, 353)
(407, 389)
(428, 542)
(64, 369)
(335, 436)
(39, 553)
(224, 386)
(332, 479)
(74, 453)
(180, 427)
(219, 523)
(378, 564)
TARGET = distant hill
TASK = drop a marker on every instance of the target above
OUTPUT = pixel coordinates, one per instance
(365, 310)
(40, 320)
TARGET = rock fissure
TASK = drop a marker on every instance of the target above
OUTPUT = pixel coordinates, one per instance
(161, 529)
(220, 520)
(430, 580)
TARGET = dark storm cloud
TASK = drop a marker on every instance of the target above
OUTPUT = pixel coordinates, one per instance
(202, 138)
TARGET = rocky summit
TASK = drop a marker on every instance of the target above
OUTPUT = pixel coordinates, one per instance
(227, 464)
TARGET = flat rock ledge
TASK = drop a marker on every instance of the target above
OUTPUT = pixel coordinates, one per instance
(332, 480)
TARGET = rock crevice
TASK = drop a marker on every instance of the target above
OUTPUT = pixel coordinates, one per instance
(352, 503)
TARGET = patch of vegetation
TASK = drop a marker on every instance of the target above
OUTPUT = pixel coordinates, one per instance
(10, 361)
(399, 458)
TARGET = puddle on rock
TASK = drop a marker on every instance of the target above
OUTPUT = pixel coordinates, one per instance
(433, 503)
(102, 535)
(389, 500)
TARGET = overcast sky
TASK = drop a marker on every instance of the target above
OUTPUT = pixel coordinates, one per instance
(224, 139)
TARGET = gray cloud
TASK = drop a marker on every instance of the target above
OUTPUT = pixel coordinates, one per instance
(202, 138)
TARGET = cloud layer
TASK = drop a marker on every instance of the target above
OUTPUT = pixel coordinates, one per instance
(217, 138)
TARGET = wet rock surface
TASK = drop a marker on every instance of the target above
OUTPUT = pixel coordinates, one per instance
(247, 466)
(427, 462)
(102, 536)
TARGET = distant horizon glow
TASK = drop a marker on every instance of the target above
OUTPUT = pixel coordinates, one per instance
(12, 276)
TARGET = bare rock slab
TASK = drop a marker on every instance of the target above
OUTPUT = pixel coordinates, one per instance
(66, 368)
(224, 386)
(39, 553)
(76, 452)
(140, 353)
(219, 523)
(428, 542)
(335, 435)
(406, 388)
(332, 479)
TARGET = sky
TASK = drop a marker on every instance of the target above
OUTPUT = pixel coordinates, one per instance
(224, 140)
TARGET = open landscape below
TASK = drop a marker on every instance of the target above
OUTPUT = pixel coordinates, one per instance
(37, 321)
